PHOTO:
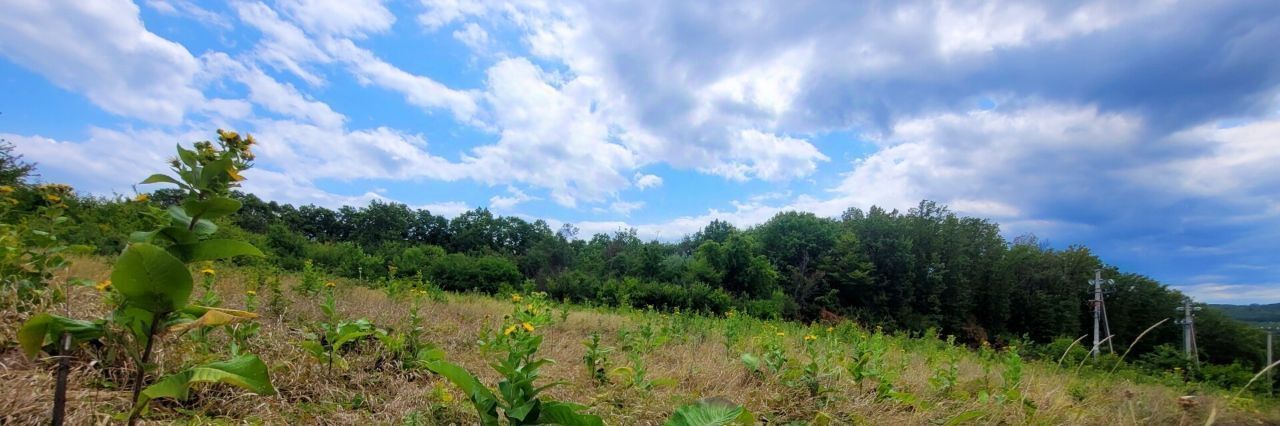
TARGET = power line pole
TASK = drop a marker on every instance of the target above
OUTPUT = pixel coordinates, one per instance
(1188, 322)
(1100, 314)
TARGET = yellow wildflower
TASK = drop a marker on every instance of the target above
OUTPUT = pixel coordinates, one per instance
(516, 298)
(6, 189)
(529, 308)
(781, 334)
(330, 284)
(53, 198)
(102, 286)
(208, 271)
(831, 329)
(528, 327)
(234, 174)
(251, 293)
(810, 337)
(509, 330)
(142, 198)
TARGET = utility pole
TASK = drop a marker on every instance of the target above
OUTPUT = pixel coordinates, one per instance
(1188, 322)
(1100, 314)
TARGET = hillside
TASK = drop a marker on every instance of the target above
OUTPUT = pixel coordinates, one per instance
(657, 362)
(1260, 315)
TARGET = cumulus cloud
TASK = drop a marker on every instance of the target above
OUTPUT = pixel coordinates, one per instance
(645, 181)
(103, 50)
(515, 197)
(550, 137)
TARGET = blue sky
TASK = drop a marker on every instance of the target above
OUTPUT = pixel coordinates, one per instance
(1146, 130)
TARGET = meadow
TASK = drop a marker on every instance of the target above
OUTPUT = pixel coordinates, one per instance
(180, 327)
(651, 364)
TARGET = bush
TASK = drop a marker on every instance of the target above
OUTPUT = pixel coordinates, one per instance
(488, 274)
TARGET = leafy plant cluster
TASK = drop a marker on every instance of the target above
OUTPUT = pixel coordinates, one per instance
(151, 282)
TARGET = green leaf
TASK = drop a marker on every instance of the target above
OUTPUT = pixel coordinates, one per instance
(751, 361)
(213, 170)
(483, 399)
(161, 178)
(182, 220)
(213, 250)
(187, 156)
(247, 372)
(150, 278)
(211, 208)
(714, 411)
(47, 327)
(560, 413)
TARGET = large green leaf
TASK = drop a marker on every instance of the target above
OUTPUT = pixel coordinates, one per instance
(711, 412)
(49, 328)
(483, 399)
(216, 249)
(161, 178)
(561, 413)
(211, 208)
(150, 278)
(213, 170)
(247, 372)
(183, 220)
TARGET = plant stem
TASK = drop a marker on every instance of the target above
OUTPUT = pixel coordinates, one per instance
(60, 388)
(142, 368)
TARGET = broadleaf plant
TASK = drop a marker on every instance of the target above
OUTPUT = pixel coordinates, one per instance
(153, 279)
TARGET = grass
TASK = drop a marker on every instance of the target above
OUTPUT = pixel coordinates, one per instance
(692, 357)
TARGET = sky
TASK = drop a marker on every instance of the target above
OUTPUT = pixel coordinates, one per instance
(1148, 131)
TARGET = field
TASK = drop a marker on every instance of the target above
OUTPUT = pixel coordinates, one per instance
(805, 380)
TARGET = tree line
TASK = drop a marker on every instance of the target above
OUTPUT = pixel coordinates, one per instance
(926, 268)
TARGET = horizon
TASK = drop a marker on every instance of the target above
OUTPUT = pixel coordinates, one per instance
(1144, 131)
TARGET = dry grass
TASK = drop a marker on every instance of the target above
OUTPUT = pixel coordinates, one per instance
(370, 392)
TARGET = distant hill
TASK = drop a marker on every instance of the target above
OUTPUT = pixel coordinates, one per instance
(1253, 314)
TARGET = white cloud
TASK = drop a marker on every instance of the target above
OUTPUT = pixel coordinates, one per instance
(107, 162)
(766, 156)
(189, 9)
(103, 50)
(474, 37)
(625, 207)
(348, 18)
(418, 90)
(1232, 293)
(439, 13)
(283, 44)
(277, 97)
(644, 181)
(449, 209)
(517, 197)
(550, 137)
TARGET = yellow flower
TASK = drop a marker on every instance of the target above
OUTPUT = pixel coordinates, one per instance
(142, 198)
(6, 189)
(528, 327)
(234, 174)
(53, 198)
(102, 286)
(781, 334)
(208, 271)
(810, 337)
(330, 284)
(831, 329)
(509, 330)
(516, 298)
(529, 308)
(251, 293)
